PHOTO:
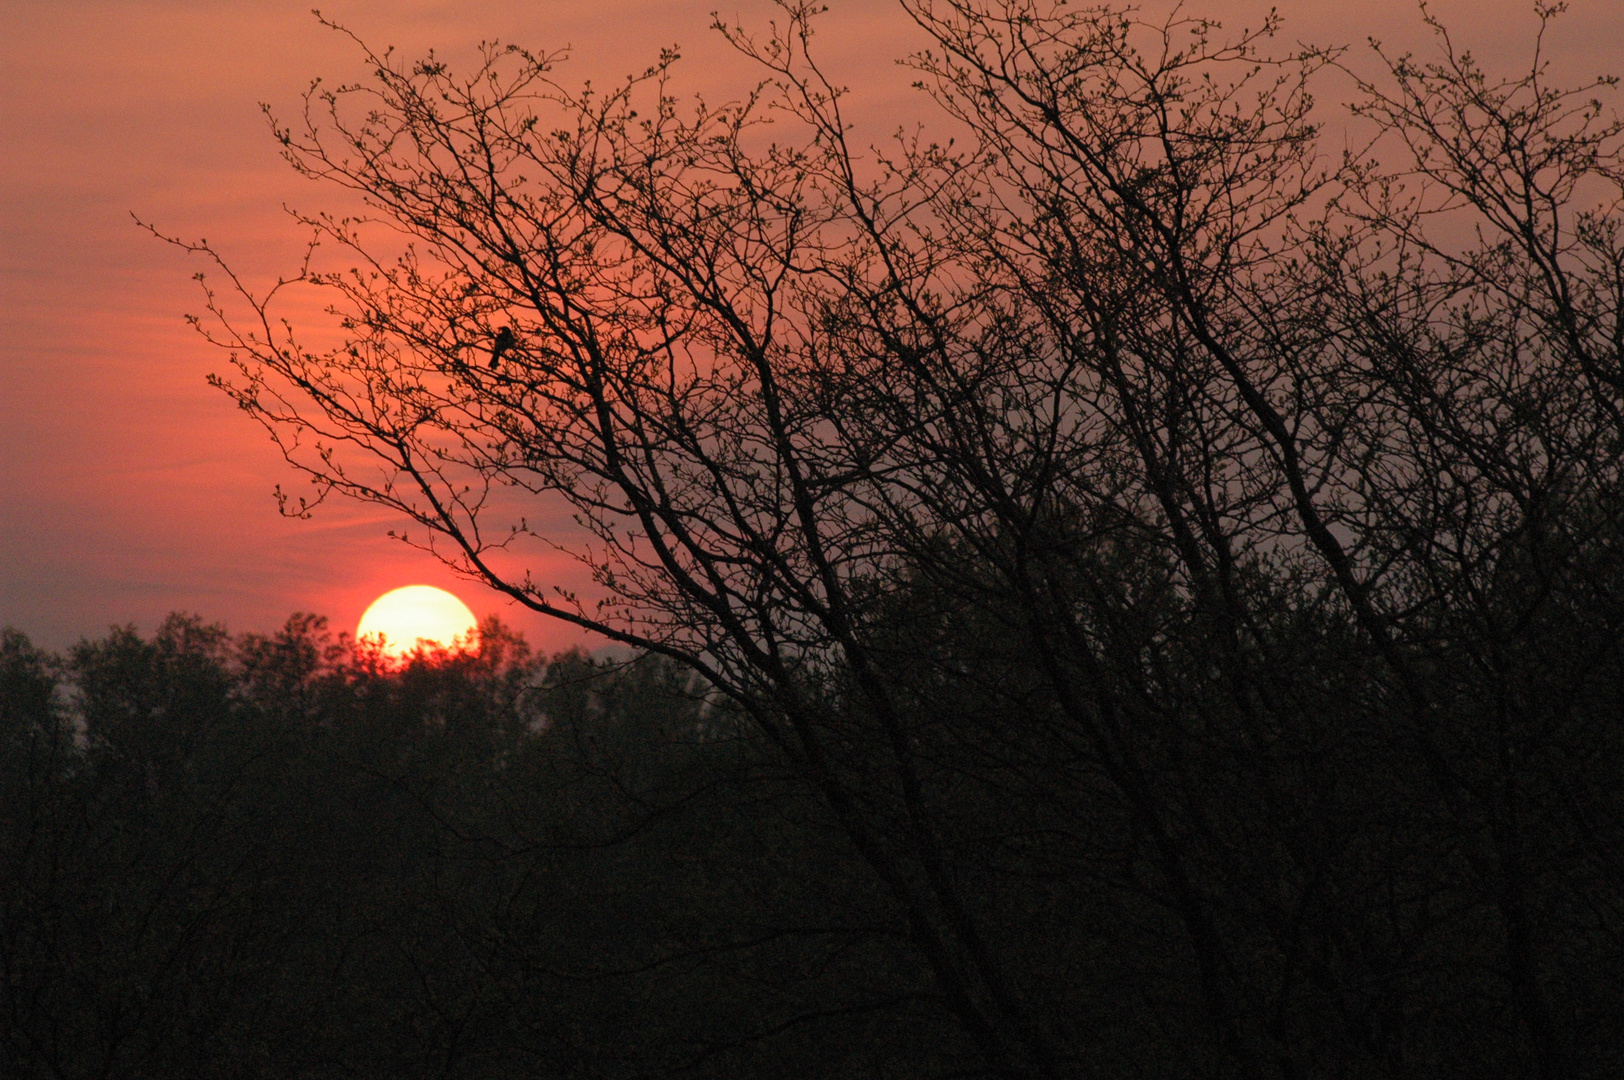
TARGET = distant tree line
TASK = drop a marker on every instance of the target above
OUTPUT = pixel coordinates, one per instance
(1165, 583)
(271, 857)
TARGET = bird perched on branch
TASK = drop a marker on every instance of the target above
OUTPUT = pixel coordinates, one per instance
(505, 340)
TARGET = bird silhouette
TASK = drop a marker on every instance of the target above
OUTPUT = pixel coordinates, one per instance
(504, 341)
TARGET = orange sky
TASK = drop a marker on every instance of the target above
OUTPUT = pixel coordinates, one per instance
(128, 488)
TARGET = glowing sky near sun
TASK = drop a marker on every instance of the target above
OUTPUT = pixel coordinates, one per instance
(127, 487)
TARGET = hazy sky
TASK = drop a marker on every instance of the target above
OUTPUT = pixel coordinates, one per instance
(128, 488)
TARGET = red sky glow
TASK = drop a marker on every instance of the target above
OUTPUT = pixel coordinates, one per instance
(128, 487)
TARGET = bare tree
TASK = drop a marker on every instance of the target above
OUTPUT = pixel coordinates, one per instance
(1124, 476)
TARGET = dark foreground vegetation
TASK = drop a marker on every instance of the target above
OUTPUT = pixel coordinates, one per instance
(268, 857)
(1163, 569)
(271, 857)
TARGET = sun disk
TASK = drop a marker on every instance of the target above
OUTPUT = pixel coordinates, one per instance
(401, 619)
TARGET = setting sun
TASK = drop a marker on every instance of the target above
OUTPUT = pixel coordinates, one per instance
(400, 619)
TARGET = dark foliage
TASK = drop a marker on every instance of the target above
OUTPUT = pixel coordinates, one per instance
(272, 856)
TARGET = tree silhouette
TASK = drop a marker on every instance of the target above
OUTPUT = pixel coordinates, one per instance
(1181, 570)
